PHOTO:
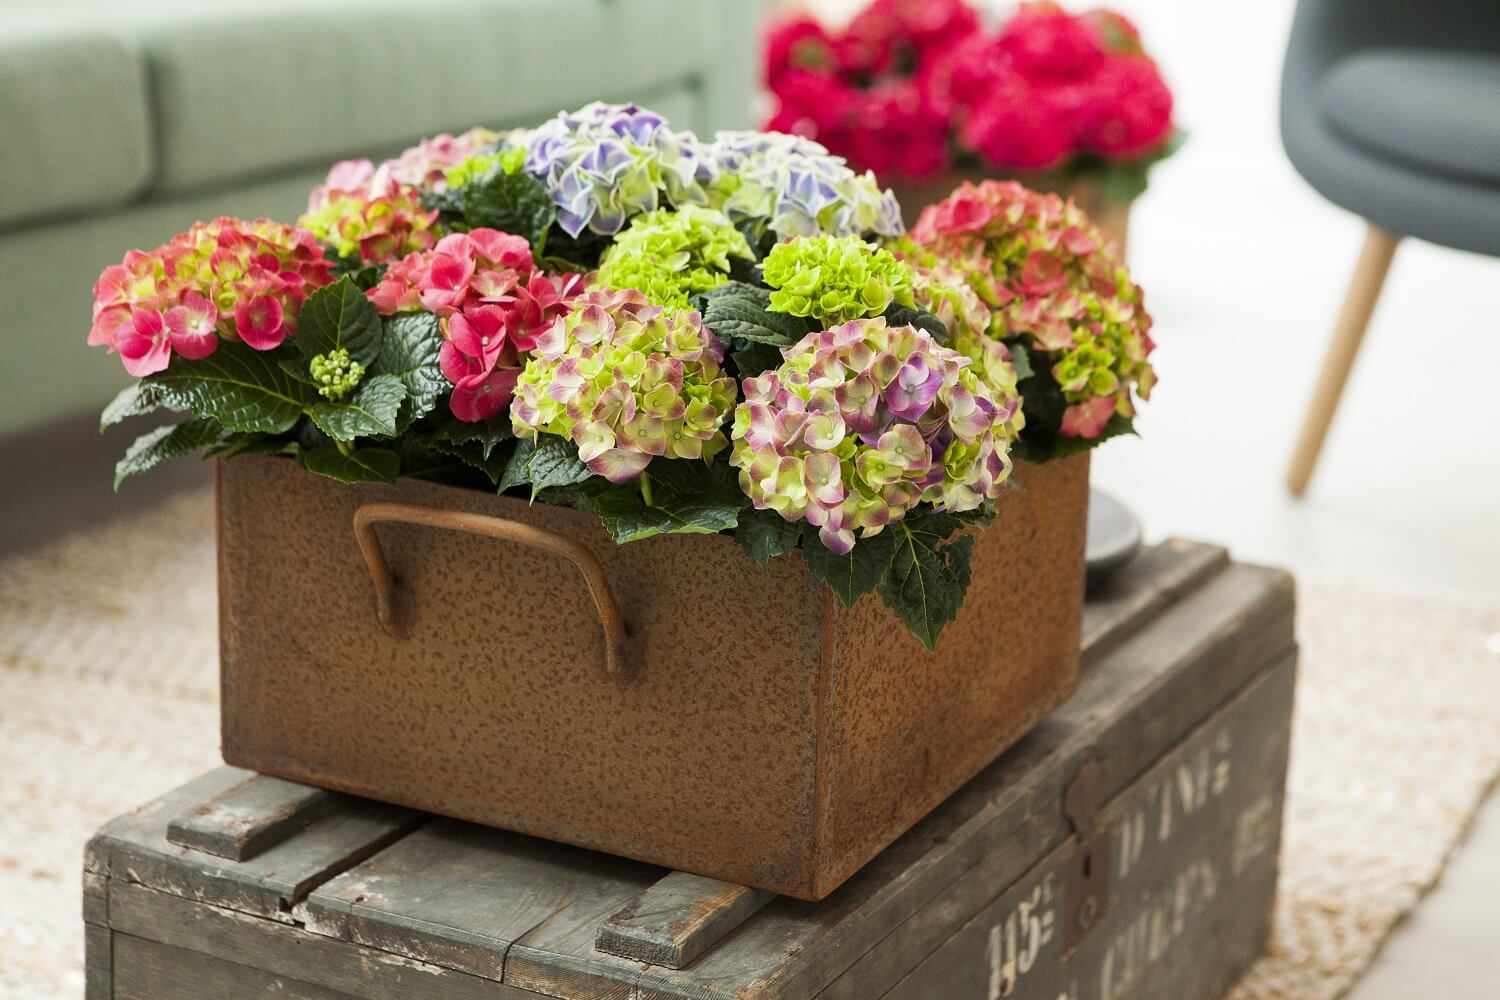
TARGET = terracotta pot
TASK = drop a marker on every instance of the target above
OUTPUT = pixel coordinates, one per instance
(743, 725)
(1110, 216)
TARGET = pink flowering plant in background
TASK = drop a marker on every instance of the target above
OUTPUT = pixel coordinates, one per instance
(912, 89)
(679, 335)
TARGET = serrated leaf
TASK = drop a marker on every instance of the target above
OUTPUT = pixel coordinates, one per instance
(687, 497)
(476, 456)
(370, 413)
(740, 311)
(339, 316)
(753, 359)
(410, 352)
(240, 388)
(367, 465)
(899, 315)
(516, 472)
(852, 575)
(928, 576)
(555, 462)
(151, 449)
(765, 534)
(485, 433)
(135, 400)
(512, 203)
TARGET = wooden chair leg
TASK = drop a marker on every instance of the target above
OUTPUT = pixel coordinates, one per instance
(1359, 303)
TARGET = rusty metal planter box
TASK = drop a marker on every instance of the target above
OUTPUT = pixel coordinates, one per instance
(770, 737)
(1125, 850)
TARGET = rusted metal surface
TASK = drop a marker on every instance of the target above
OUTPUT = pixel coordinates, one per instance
(1112, 217)
(772, 738)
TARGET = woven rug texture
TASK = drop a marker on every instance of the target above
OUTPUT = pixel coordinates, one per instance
(108, 697)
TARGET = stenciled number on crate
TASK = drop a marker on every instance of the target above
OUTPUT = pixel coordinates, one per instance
(1163, 918)
(1016, 941)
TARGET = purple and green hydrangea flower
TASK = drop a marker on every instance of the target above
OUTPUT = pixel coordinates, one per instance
(626, 381)
(863, 422)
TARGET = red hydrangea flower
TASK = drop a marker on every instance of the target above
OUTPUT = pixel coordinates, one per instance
(1018, 127)
(1130, 111)
(227, 279)
(1044, 41)
(796, 44)
(492, 305)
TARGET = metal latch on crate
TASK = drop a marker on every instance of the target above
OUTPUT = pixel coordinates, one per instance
(1085, 891)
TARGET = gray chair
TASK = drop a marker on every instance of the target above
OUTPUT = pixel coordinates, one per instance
(1391, 109)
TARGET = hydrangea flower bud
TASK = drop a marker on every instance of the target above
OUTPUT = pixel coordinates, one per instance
(335, 374)
(227, 279)
(670, 256)
(835, 279)
(627, 381)
(1051, 278)
(863, 422)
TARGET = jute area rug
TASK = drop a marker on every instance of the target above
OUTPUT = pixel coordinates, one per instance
(108, 698)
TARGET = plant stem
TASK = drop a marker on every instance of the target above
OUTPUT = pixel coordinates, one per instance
(345, 448)
(646, 489)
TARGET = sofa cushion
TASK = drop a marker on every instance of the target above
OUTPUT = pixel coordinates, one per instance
(245, 91)
(77, 125)
(1439, 111)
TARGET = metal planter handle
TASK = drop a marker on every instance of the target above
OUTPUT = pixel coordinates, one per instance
(619, 666)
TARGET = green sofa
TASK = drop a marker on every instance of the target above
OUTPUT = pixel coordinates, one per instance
(122, 123)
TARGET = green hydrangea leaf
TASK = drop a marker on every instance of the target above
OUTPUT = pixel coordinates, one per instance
(251, 444)
(516, 472)
(512, 203)
(899, 315)
(1020, 356)
(409, 351)
(742, 312)
(687, 497)
(366, 465)
(755, 358)
(241, 389)
(165, 443)
(370, 413)
(765, 534)
(135, 400)
(339, 316)
(476, 455)
(487, 434)
(928, 576)
(553, 463)
(852, 575)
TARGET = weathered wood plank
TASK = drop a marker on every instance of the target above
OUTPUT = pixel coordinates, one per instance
(153, 971)
(1193, 855)
(243, 821)
(135, 847)
(288, 951)
(95, 899)
(98, 963)
(1147, 585)
(678, 919)
(459, 895)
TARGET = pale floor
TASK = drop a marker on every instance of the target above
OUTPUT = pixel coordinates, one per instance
(1244, 268)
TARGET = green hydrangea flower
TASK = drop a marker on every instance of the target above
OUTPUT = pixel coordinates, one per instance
(671, 256)
(835, 279)
(335, 374)
(627, 381)
(472, 168)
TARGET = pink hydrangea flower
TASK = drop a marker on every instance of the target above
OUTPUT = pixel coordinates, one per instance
(365, 212)
(227, 279)
(493, 306)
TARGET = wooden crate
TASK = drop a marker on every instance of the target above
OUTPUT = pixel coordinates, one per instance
(1125, 850)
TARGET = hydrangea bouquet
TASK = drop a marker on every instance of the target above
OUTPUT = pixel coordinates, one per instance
(677, 335)
(913, 89)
